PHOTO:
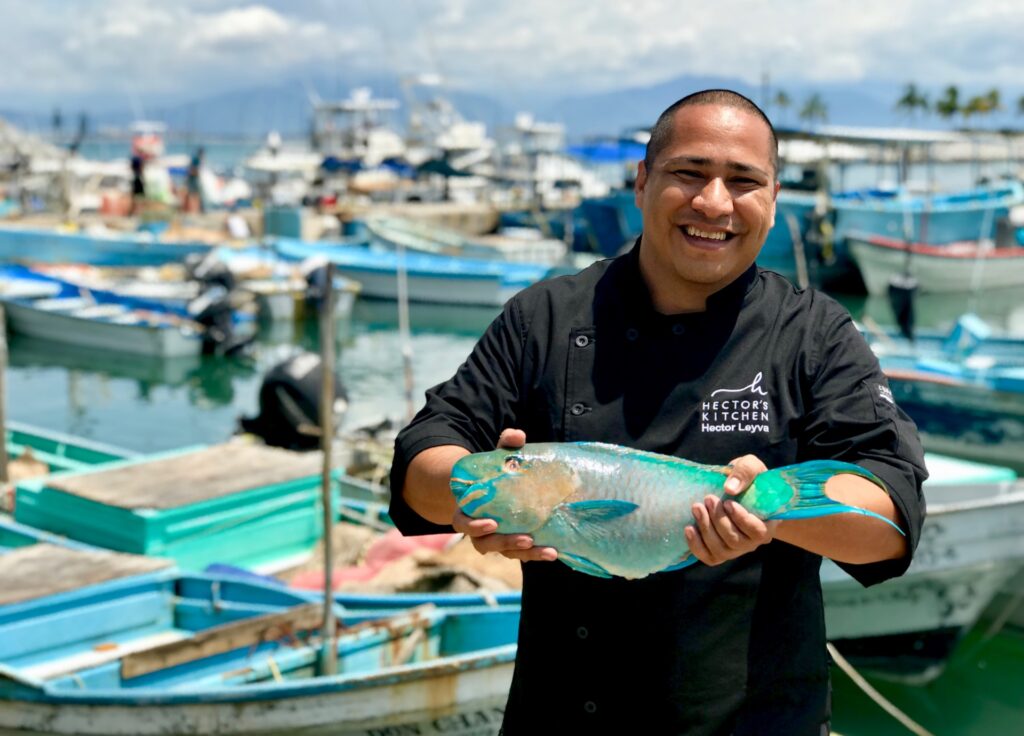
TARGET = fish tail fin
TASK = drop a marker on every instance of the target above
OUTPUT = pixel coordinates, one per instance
(809, 500)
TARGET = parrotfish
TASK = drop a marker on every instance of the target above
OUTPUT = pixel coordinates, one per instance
(613, 511)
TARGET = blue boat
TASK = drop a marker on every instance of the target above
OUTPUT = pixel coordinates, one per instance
(435, 279)
(933, 220)
(161, 652)
(108, 249)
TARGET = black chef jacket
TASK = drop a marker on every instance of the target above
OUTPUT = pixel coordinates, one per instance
(766, 369)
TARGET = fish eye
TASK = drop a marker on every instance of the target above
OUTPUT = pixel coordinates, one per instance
(513, 463)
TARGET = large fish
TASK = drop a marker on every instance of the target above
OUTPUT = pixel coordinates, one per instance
(610, 510)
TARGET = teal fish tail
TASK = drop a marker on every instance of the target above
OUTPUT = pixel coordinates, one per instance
(808, 479)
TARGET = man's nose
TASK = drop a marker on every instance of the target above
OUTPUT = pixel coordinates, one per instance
(714, 199)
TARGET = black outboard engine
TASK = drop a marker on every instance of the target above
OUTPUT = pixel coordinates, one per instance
(290, 404)
(315, 272)
(213, 309)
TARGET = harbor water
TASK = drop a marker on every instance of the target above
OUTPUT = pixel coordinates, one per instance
(149, 406)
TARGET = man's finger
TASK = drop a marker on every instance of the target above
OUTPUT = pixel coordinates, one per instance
(534, 554)
(709, 536)
(732, 537)
(742, 472)
(473, 527)
(512, 439)
(748, 524)
(697, 547)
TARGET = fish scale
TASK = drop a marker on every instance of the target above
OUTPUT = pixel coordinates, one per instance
(613, 511)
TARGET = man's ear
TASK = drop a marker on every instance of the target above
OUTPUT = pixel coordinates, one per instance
(639, 184)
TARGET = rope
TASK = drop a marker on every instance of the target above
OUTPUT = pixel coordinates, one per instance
(876, 696)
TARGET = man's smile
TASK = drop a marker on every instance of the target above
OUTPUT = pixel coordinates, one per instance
(705, 237)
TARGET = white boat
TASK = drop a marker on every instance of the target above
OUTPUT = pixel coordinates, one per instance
(972, 543)
(46, 309)
(967, 266)
(518, 245)
(434, 279)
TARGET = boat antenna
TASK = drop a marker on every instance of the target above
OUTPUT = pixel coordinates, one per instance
(329, 652)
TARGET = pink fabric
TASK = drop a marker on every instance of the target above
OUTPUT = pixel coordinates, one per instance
(388, 548)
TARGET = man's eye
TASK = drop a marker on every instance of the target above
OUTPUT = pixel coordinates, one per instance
(688, 173)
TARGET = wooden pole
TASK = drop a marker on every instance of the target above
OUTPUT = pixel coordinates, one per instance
(404, 332)
(3, 396)
(329, 654)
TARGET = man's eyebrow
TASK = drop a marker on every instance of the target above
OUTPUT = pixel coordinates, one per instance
(734, 165)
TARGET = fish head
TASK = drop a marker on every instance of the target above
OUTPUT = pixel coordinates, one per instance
(517, 488)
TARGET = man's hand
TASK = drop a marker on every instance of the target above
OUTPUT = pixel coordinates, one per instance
(482, 531)
(724, 529)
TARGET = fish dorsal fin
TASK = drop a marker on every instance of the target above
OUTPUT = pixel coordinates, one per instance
(613, 452)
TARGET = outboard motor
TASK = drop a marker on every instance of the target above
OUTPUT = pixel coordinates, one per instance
(290, 404)
(208, 270)
(314, 270)
(213, 310)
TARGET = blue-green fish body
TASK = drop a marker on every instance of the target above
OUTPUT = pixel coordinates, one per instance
(611, 510)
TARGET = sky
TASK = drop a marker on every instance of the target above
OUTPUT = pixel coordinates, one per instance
(134, 52)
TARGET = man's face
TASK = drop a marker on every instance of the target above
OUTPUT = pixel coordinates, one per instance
(708, 202)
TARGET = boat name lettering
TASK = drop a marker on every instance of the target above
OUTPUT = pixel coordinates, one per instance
(463, 724)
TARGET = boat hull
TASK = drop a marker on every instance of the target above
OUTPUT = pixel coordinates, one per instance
(464, 695)
(937, 269)
(140, 339)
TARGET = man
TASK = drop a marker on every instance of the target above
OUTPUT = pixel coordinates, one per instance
(681, 347)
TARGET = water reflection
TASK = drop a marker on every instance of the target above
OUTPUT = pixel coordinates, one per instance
(454, 319)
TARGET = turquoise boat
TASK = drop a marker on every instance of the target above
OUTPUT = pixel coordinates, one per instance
(59, 451)
(158, 651)
(933, 219)
(109, 249)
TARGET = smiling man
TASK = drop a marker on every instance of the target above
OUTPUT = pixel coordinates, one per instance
(683, 347)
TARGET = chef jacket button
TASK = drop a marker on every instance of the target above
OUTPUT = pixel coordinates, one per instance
(590, 706)
(632, 334)
(678, 329)
(582, 632)
(582, 341)
(578, 409)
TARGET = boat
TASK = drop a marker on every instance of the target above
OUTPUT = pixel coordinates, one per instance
(968, 408)
(972, 544)
(514, 245)
(106, 248)
(970, 339)
(152, 650)
(967, 266)
(435, 279)
(55, 310)
(279, 287)
(934, 219)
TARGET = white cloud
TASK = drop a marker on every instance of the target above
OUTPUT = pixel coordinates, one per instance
(191, 47)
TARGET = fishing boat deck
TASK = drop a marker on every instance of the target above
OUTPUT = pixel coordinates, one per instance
(45, 569)
(191, 477)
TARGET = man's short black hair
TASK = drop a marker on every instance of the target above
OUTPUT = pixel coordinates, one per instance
(662, 131)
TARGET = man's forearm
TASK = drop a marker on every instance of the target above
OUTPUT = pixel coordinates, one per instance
(850, 537)
(427, 489)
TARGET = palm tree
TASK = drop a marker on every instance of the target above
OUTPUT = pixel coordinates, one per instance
(783, 102)
(912, 100)
(949, 104)
(814, 110)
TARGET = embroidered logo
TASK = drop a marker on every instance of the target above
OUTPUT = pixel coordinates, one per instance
(737, 409)
(886, 393)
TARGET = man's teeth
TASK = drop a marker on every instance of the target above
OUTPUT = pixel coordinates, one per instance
(702, 234)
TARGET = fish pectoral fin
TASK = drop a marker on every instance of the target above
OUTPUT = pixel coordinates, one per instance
(582, 564)
(690, 559)
(595, 512)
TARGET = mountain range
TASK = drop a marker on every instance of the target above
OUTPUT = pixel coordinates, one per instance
(252, 112)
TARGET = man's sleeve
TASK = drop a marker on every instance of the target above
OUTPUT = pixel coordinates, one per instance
(469, 410)
(852, 417)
